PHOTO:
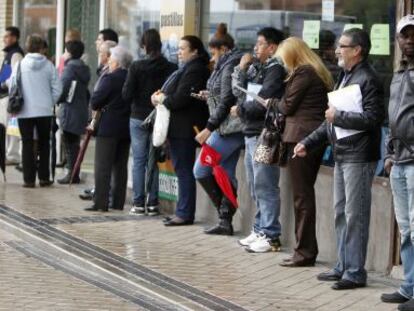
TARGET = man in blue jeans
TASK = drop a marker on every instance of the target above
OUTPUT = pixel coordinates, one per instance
(399, 161)
(355, 154)
(265, 74)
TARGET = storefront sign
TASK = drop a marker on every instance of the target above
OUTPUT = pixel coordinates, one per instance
(168, 182)
(310, 33)
(380, 39)
(328, 10)
(177, 18)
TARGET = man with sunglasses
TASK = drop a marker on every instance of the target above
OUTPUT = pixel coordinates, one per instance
(399, 161)
(355, 156)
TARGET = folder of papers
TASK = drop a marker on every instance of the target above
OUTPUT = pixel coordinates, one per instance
(347, 99)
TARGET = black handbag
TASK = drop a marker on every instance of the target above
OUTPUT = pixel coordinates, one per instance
(16, 100)
(269, 144)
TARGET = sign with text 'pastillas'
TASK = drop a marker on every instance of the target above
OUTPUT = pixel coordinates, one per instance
(177, 19)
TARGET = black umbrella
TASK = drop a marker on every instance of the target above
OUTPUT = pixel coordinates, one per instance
(53, 155)
(155, 155)
(3, 150)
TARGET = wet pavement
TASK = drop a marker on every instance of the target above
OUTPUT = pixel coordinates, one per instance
(55, 256)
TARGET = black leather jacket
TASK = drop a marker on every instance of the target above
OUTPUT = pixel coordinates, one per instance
(400, 141)
(363, 146)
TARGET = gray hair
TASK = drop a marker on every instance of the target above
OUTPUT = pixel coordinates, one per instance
(121, 56)
(106, 46)
(359, 37)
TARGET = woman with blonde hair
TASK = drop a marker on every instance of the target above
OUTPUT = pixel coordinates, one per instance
(304, 103)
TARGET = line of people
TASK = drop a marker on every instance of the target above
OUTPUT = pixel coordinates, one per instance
(204, 93)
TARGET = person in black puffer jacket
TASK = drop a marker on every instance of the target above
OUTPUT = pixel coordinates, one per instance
(186, 113)
(144, 78)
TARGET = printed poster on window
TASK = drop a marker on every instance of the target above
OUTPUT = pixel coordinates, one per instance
(380, 39)
(310, 33)
(328, 10)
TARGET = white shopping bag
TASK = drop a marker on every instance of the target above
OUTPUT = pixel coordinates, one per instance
(162, 121)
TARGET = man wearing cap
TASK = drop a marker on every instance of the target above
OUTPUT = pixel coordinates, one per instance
(399, 161)
(356, 156)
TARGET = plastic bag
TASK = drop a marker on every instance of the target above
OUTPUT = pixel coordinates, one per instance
(162, 121)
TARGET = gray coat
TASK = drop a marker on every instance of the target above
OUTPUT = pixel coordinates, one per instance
(400, 141)
(74, 115)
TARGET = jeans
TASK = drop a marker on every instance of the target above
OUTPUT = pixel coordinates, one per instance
(352, 202)
(263, 182)
(402, 185)
(140, 143)
(229, 147)
(183, 157)
(30, 155)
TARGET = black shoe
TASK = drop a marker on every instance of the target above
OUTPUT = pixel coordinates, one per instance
(153, 210)
(93, 208)
(118, 208)
(86, 196)
(45, 183)
(89, 191)
(19, 167)
(347, 284)
(328, 276)
(297, 264)
(222, 228)
(177, 221)
(407, 306)
(29, 185)
(395, 297)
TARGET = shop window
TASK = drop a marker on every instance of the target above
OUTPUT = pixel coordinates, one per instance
(319, 22)
(39, 17)
(130, 18)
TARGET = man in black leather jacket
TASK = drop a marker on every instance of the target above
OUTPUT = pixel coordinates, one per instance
(355, 158)
(400, 159)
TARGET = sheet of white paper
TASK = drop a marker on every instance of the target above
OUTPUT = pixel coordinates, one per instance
(254, 88)
(346, 99)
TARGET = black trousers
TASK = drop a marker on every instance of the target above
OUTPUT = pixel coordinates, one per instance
(43, 128)
(72, 146)
(111, 171)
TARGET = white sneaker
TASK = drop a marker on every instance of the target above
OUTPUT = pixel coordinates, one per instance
(263, 244)
(137, 210)
(249, 240)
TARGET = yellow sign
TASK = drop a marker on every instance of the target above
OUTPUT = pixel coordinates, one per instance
(177, 19)
(310, 33)
(380, 39)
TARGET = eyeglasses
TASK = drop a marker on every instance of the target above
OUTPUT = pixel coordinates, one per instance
(344, 46)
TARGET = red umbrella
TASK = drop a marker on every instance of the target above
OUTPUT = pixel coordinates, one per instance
(81, 154)
(211, 157)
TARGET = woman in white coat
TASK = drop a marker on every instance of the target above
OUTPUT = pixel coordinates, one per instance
(41, 89)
